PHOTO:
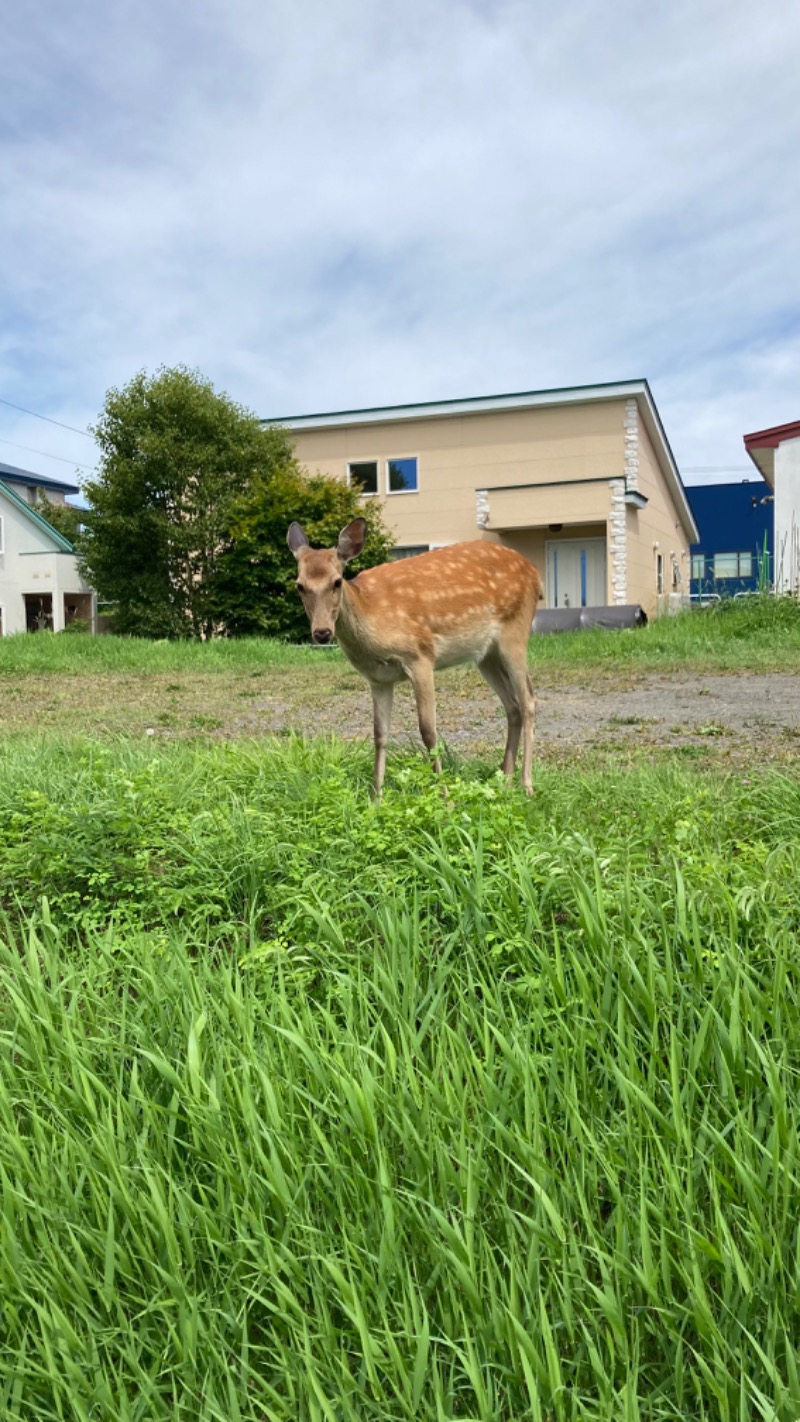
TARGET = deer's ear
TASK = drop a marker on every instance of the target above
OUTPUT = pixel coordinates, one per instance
(296, 539)
(351, 539)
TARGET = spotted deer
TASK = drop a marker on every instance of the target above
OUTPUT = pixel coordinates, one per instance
(467, 602)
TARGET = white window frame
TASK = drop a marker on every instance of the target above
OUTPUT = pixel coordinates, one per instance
(400, 551)
(392, 459)
(738, 554)
(365, 493)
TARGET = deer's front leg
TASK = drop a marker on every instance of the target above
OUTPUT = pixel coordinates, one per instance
(421, 675)
(382, 697)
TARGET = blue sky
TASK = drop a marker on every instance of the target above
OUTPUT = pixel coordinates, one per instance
(344, 203)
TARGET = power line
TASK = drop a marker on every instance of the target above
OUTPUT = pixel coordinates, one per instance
(45, 455)
(60, 424)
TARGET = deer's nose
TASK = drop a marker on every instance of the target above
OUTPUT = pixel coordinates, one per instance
(322, 635)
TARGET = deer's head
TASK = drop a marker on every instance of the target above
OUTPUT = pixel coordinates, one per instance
(320, 572)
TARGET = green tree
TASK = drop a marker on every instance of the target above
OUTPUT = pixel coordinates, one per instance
(65, 518)
(255, 579)
(176, 456)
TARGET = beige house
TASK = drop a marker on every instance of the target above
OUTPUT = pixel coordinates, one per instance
(41, 587)
(581, 481)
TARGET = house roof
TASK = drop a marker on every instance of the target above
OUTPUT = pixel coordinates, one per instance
(521, 400)
(762, 444)
(427, 409)
(63, 544)
(9, 473)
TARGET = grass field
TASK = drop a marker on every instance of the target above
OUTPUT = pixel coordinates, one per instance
(109, 686)
(443, 1108)
(758, 634)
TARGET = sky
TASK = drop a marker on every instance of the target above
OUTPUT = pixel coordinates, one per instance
(329, 204)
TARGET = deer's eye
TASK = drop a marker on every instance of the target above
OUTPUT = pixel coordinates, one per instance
(337, 583)
(300, 587)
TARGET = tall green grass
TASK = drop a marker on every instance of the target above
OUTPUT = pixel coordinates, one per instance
(760, 633)
(89, 656)
(435, 1109)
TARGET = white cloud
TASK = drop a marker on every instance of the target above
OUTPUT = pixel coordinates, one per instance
(333, 205)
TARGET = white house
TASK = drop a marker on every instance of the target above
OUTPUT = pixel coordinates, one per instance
(776, 454)
(41, 587)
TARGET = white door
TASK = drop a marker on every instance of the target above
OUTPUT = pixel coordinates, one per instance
(576, 572)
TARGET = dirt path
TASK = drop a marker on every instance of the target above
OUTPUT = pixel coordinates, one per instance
(736, 716)
(725, 715)
(756, 708)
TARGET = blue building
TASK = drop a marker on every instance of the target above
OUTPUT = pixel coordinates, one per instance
(736, 523)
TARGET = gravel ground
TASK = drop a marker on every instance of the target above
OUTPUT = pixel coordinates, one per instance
(720, 717)
(727, 715)
(753, 707)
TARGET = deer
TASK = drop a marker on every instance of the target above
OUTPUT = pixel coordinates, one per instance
(404, 620)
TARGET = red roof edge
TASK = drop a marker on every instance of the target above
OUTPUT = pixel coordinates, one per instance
(770, 439)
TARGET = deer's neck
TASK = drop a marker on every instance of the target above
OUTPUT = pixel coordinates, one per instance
(350, 624)
(353, 628)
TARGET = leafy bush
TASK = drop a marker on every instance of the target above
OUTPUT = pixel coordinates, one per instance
(186, 530)
(254, 586)
(175, 455)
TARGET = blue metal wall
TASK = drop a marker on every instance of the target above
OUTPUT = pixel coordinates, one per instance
(732, 518)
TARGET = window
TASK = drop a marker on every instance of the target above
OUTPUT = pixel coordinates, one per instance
(659, 572)
(733, 565)
(698, 566)
(401, 476)
(365, 474)
(410, 552)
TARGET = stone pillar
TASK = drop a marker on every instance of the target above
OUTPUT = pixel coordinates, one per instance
(618, 543)
(482, 508)
(631, 444)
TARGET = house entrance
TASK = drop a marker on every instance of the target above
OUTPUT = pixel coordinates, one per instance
(39, 612)
(576, 572)
(78, 608)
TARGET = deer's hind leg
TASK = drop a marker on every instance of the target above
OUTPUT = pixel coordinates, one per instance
(494, 672)
(506, 670)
